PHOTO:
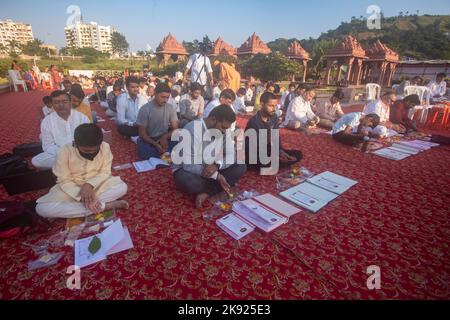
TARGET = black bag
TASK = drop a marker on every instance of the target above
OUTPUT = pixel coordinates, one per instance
(17, 218)
(28, 149)
(28, 181)
(11, 164)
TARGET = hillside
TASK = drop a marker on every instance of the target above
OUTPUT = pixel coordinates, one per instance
(417, 37)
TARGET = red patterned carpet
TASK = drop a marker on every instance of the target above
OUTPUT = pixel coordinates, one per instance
(396, 217)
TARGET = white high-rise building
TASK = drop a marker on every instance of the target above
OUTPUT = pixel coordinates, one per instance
(10, 30)
(89, 35)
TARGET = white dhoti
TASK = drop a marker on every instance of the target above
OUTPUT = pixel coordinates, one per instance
(74, 209)
(44, 160)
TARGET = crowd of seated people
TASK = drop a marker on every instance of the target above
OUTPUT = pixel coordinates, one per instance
(154, 110)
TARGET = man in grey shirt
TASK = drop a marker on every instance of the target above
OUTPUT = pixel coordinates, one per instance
(203, 173)
(156, 121)
(192, 105)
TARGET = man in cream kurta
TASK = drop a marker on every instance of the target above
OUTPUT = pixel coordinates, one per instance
(74, 171)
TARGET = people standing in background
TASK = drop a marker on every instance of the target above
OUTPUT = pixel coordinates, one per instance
(55, 76)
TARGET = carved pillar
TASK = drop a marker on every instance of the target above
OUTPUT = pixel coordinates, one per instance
(339, 71)
(305, 66)
(329, 66)
(382, 73)
(360, 69)
(391, 77)
(350, 69)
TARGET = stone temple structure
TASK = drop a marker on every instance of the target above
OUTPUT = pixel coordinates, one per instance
(252, 46)
(296, 52)
(170, 49)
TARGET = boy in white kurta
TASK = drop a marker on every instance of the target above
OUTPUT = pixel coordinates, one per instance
(85, 185)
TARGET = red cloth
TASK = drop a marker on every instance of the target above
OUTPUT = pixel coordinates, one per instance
(392, 218)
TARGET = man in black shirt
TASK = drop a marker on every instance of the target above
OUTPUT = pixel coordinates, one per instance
(266, 119)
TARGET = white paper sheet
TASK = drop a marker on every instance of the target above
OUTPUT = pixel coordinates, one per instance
(278, 205)
(235, 226)
(391, 154)
(309, 196)
(109, 238)
(332, 182)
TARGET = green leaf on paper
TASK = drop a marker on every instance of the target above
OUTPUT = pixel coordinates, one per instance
(95, 245)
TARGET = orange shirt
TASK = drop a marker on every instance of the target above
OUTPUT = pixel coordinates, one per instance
(86, 110)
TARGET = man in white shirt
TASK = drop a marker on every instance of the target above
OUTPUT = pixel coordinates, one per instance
(192, 105)
(222, 85)
(227, 97)
(175, 97)
(239, 102)
(351, 128)
(128, 106)
(57, 129)
(381, 108)
(143, 87)
(438, 88)
(248, 94)
(200, 67)
(330, 111)
(205, 174)
(299, 114)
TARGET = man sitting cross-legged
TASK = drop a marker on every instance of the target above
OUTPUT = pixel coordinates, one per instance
(330, 111)
(156, 121)
(57, 129)
(299, 114)
(202, 173)
(399, 114)
(85, 184)
(266, 119)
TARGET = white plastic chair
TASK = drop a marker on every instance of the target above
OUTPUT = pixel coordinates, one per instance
(373, 91)
(14, 77)
(424, 94)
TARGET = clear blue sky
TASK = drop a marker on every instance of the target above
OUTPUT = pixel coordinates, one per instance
(149, 21)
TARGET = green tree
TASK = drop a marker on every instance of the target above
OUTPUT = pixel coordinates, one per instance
(90, 55)
(272, 67)
(33, 47)
(64, 51)
(194, 46)
(119, 43)
(14, 48)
